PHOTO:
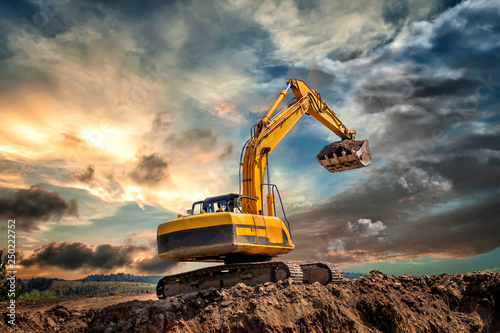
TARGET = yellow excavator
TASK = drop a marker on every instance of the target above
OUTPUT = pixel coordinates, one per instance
(243, 230)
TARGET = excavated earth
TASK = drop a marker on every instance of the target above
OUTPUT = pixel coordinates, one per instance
(374, 303)
(340, 146)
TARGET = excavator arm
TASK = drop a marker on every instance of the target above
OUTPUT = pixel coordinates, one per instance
(316, 107)
(269, 131)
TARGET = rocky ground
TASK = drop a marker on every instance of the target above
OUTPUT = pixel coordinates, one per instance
(374, 303)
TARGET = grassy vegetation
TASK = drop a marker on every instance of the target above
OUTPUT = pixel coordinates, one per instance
(35, 294)
(100, 287)
(72, 288)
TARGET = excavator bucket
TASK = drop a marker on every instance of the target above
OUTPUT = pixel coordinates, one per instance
(345, 155)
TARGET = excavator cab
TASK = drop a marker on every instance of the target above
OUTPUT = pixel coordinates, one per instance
(219, 204)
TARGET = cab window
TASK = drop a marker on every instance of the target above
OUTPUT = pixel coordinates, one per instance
(210, 208)
(197, 208)
(220, 206)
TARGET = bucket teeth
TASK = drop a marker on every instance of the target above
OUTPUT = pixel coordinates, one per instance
(345, 155)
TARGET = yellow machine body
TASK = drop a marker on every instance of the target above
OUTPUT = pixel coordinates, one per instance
(223, 236)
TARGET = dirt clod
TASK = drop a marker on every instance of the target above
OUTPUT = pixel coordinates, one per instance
(61, 311)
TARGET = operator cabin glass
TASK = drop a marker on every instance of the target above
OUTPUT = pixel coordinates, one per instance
(211, 208)
(220, 206)
(197, 208)
(214, 207)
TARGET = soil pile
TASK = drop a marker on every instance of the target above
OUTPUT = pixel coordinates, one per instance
(374, 303)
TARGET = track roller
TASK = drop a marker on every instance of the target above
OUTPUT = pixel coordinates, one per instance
(321, 272)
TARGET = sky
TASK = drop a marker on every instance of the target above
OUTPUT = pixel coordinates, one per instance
(117, 115)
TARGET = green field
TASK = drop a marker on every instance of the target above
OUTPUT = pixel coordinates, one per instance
(102, 287)
(72, 288)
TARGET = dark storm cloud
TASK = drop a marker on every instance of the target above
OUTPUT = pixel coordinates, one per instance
(155, 265)
(480, 141)
(442, 5)
(410, 228)
(473, 172)
(317, 78)
(32, 207)
(134, 8)
(219, 31)
(435, 178)
(85, 175)
(461, 232)
(108, 256)
(216, 30)
(201, 137)
(150, 170)
(65, 255)
(17, 8)
(415, 87)
(438, 87)
(395, 10)
(41, 17)
(104, 257)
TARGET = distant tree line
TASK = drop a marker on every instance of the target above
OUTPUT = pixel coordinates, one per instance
(39, 283)
(84, 289)
(122, 277)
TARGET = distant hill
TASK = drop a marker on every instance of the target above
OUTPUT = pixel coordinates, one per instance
(122, 277)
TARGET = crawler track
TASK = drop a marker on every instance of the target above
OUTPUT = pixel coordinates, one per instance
(225, 276)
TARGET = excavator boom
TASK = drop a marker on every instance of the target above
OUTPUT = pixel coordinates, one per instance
(339, 156)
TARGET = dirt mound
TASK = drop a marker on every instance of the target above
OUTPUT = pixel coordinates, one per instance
(374, 303)
(61, 314)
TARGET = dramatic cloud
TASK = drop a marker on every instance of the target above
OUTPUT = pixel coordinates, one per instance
(341, 29)
(155, 265)
(150, 170)
(65, 255)
(336, 247)
(104, 258)
(364, 228)
(426, 221)
(85, 175)
(32, 207)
